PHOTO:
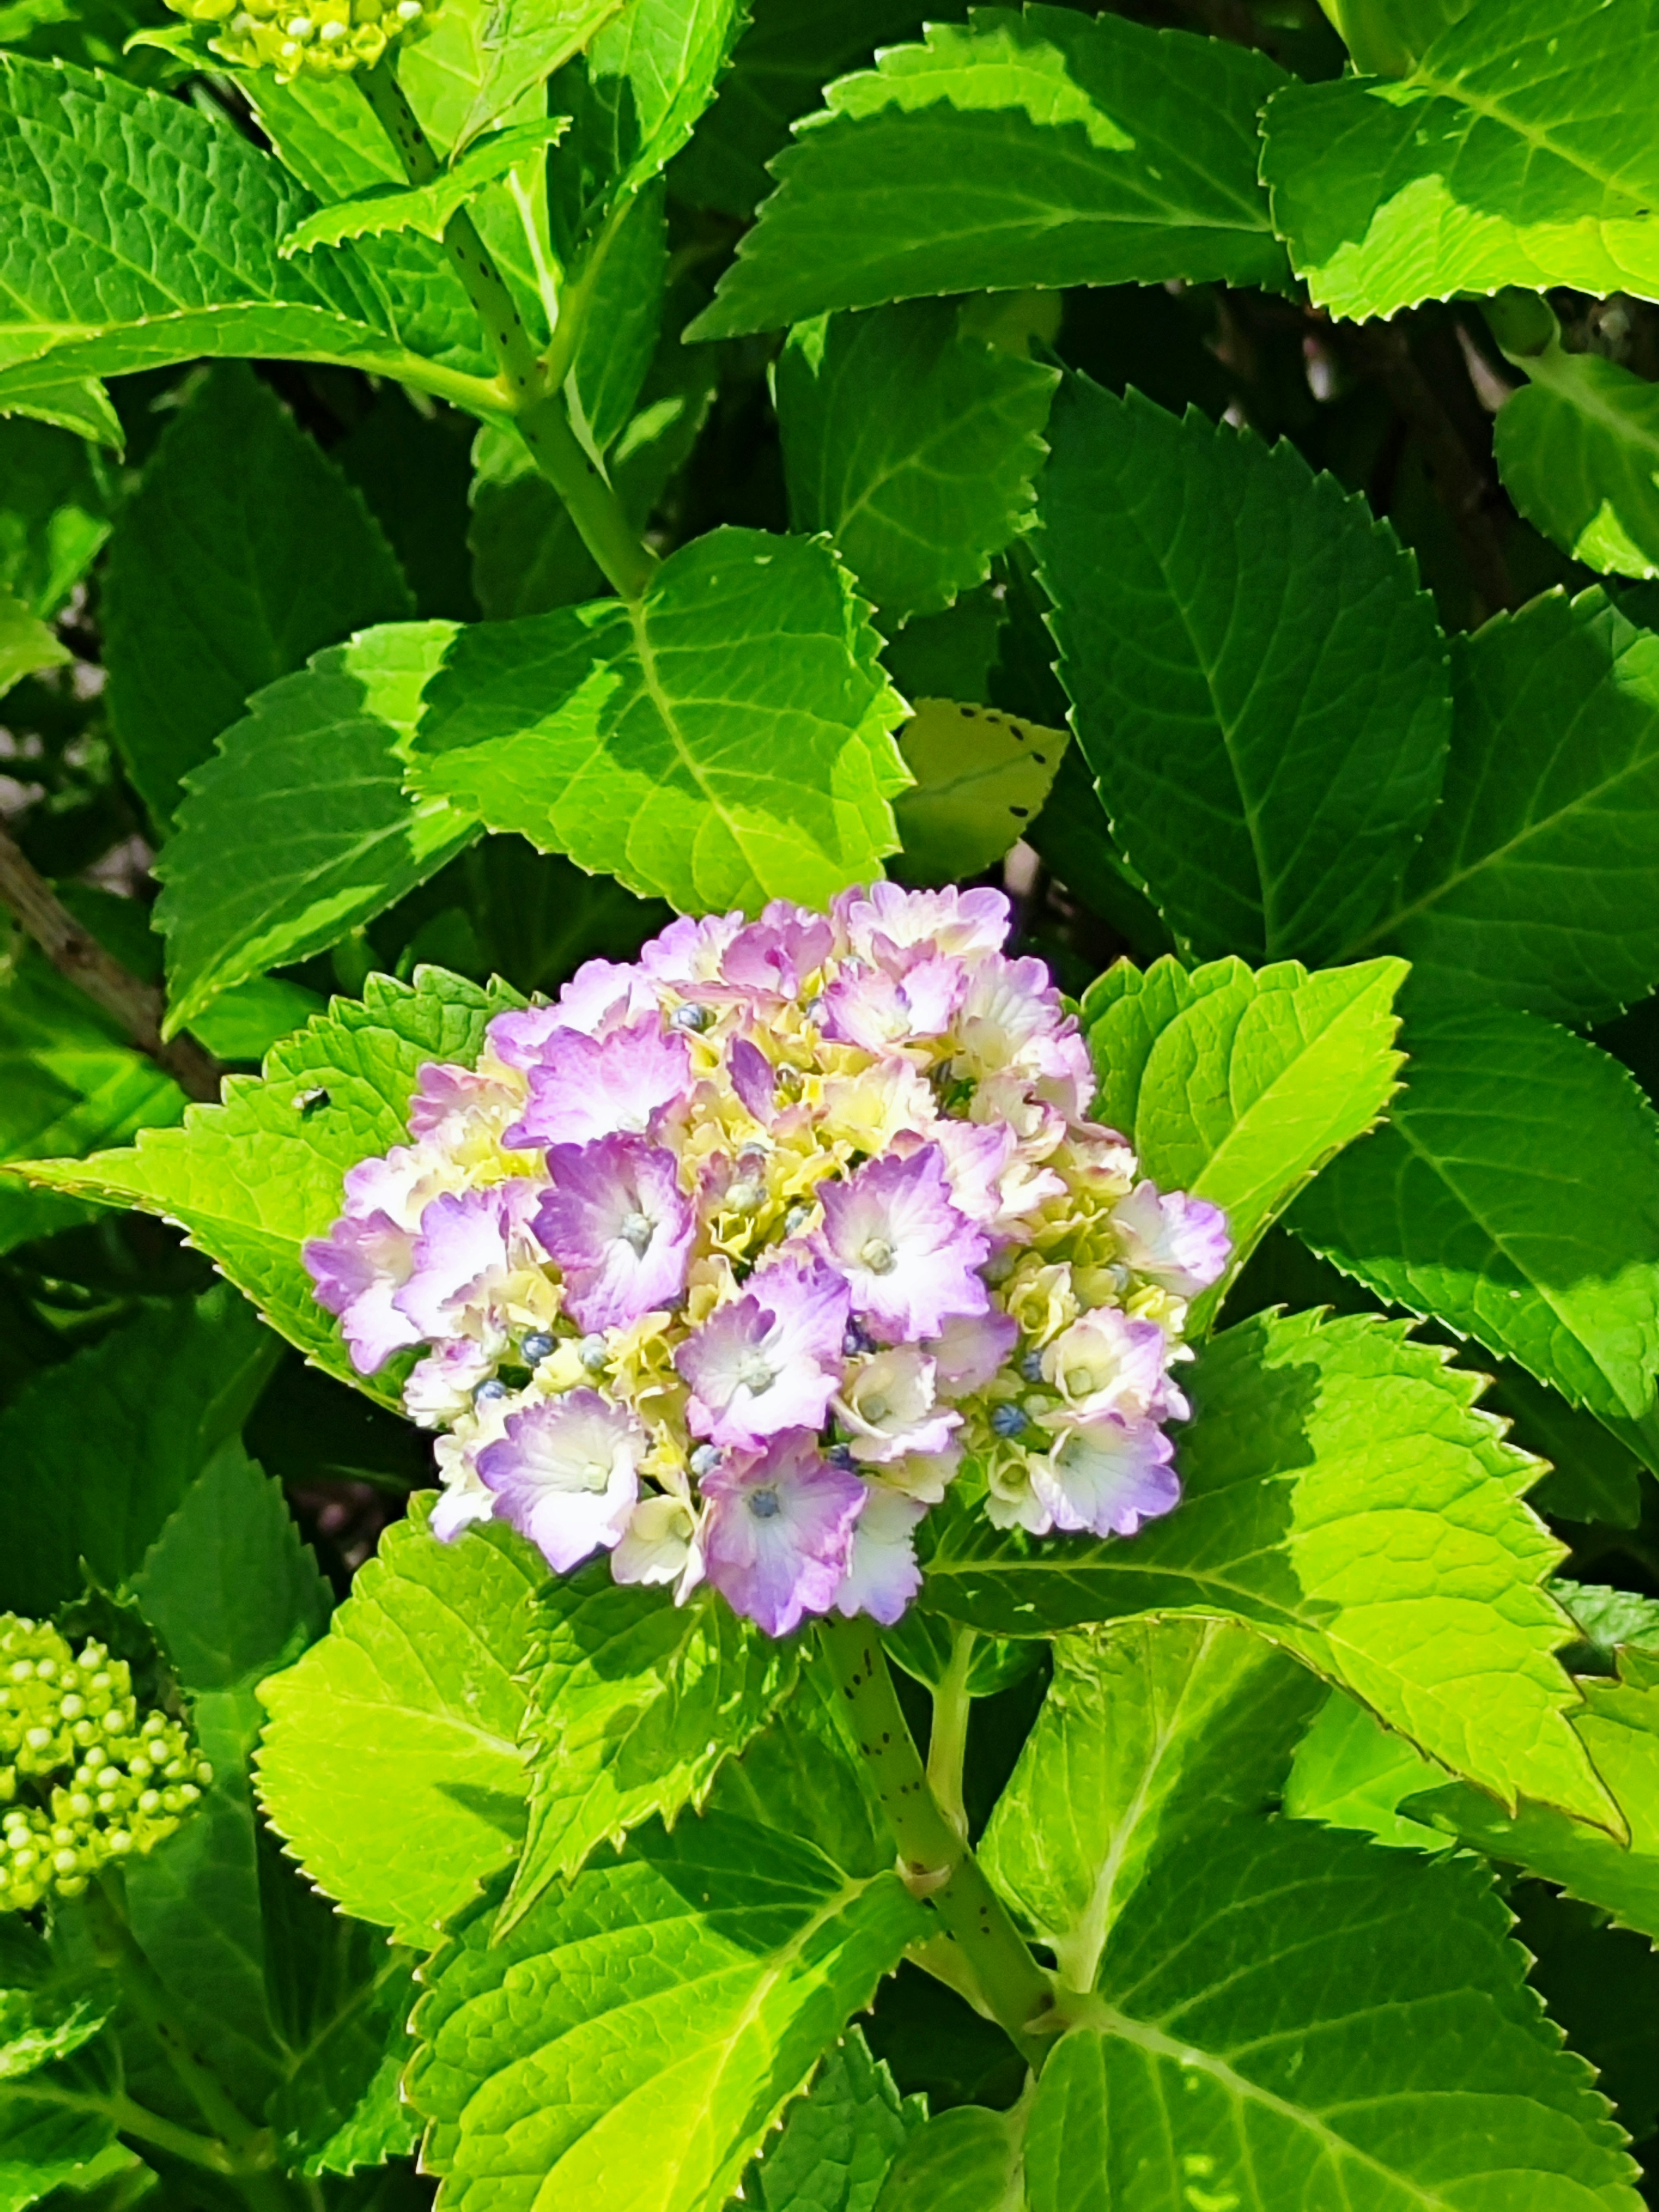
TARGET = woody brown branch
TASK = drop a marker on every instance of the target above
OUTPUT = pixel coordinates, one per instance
(75, 953)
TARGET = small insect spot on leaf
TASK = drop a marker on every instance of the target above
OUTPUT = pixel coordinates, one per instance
(311, 1102)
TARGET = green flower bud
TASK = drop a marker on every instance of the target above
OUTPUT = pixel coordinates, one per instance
(326, 38)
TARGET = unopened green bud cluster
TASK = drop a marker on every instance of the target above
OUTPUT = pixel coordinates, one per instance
(84, 1778)
(297, 37)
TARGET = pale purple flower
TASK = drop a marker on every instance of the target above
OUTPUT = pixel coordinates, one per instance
(566, 1474)
(882, 1574)
(1106, 1362)
(969, 1350)
(470, 1245)
(909, 1256)
(1008, 1004)
(688, 953)
(1107, 1477)
(769, 1361)
(894, 928)
(867, 1007)
(618, 1224)
(440, 1387)
(448, 1101)
(586, 1087)
(602, 995)
(1179, 1241)
(774, 956)
(401, 1183)
(778, 1531)
(660, 1546)
(358, 1269)
(889, 1406)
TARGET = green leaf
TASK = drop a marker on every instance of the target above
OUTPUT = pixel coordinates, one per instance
(620, 288)
(81, 405)
(54, 513)
(480, 56)
(401, 1789)
(340, 2107)
(839, 2140)
(638, 2034)
(1514, 153)
(231, 1592)
(1538, 873)
(1241, 1086)
(1621, 1729)
(1289, 2017)
(228, 1583)
(25, 643)
(54, 2124)
(634, 1704)
(980, 778)
(47, 2008)
(138, 231)
(99, 1452)
(1351, 1773)
(642, 86)
(250, 1180)
(1606, 1619)
(253, 1017)
(243, 551)
(790, 51)
(1266, 704)
(1387, 38)
(1041, 148)
(1152, 1730)
(1322, 1457)
(70, 1082)
(1601, 1985)
(296, 830)
(963, 2160)
(427, 208)
(1577, 448)
(723, 742)
(914, 443)
(1594, 1474)
(1455, 1208)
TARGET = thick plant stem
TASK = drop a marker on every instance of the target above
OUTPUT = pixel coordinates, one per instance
(543, 419)
(934, 1859)
(75, 953)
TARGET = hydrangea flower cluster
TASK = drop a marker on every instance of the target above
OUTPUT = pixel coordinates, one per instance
(309, 38)
(728, 1261)
(83, 1780)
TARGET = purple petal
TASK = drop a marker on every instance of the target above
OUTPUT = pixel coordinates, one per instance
(909, 1256)
(769, 1361)
(1181, 1241)
(882, 1574)
(754, 1079)
(778, 1531)
(358, 1269)
(968, 1352)
(617, 1223)
(589, 1087)
(566, 1474)
(1107, 1477)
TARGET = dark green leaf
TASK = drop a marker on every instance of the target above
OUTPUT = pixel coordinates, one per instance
(297, 830)
(1577, 448)
(98, 1452)
(1537, 882)
(914, 443)
(1045, 148)
(1258, 681)
(965, 2160)
(1456, 1207)
(243, 551)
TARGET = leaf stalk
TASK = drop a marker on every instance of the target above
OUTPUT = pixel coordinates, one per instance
(537, 406)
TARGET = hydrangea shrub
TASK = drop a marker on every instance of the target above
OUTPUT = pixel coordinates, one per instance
(829, 1183)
